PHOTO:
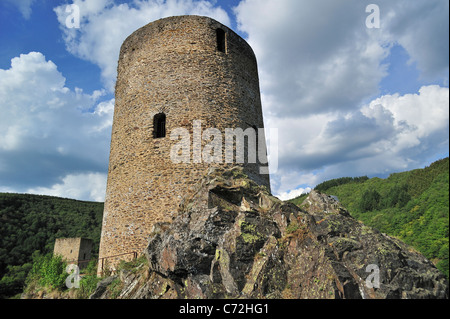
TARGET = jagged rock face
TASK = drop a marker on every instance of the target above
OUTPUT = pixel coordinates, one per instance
(231, 239)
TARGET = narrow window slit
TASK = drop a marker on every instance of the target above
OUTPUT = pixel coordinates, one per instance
(221, 40)
(159, 125)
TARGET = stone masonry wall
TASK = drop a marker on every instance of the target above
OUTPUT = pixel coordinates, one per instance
(73, 250)
(172, 66)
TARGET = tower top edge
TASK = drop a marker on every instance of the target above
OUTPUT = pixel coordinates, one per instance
(153, 28)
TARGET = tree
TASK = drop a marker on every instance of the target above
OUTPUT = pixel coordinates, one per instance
(369, 201)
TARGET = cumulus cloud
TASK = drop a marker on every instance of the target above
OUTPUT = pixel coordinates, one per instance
(319, 56)
(105, 25)
(314, 56)
(391, 133)
(47, 131)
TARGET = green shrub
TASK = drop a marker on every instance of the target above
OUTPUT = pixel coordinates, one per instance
(48, 271)
(88, 281)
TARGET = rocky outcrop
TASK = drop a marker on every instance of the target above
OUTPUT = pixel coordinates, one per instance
(231, 239)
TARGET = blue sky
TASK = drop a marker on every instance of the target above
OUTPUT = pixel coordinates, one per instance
(347, 100)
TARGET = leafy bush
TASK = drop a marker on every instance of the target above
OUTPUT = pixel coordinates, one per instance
(48, 271)
(89, 281)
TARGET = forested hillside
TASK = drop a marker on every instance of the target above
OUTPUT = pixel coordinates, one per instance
(31, 223)
(413, 206)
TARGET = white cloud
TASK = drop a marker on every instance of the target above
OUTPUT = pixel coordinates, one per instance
(46, 130)
(391, 133)
(105, 25)
(319, 57)
(87, 186)
(314, 56)
(293, 193)
(425, 112)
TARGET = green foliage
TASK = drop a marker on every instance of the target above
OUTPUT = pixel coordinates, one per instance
(370, 200)
(89, 280)
(12, 283)
(397, 196)
(48, 271)
(134, 264)
(33, 222)
(115, 288)
(322, 187)
(292, 227)
(298, 200)
(420, 179)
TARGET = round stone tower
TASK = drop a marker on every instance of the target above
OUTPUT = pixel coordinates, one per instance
(183, 82)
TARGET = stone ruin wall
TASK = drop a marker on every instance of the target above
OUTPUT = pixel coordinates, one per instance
(74, 250)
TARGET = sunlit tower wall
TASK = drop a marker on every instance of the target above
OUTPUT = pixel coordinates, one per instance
(176, 72)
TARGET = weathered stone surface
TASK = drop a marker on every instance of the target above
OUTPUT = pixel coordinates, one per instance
(231, 239)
